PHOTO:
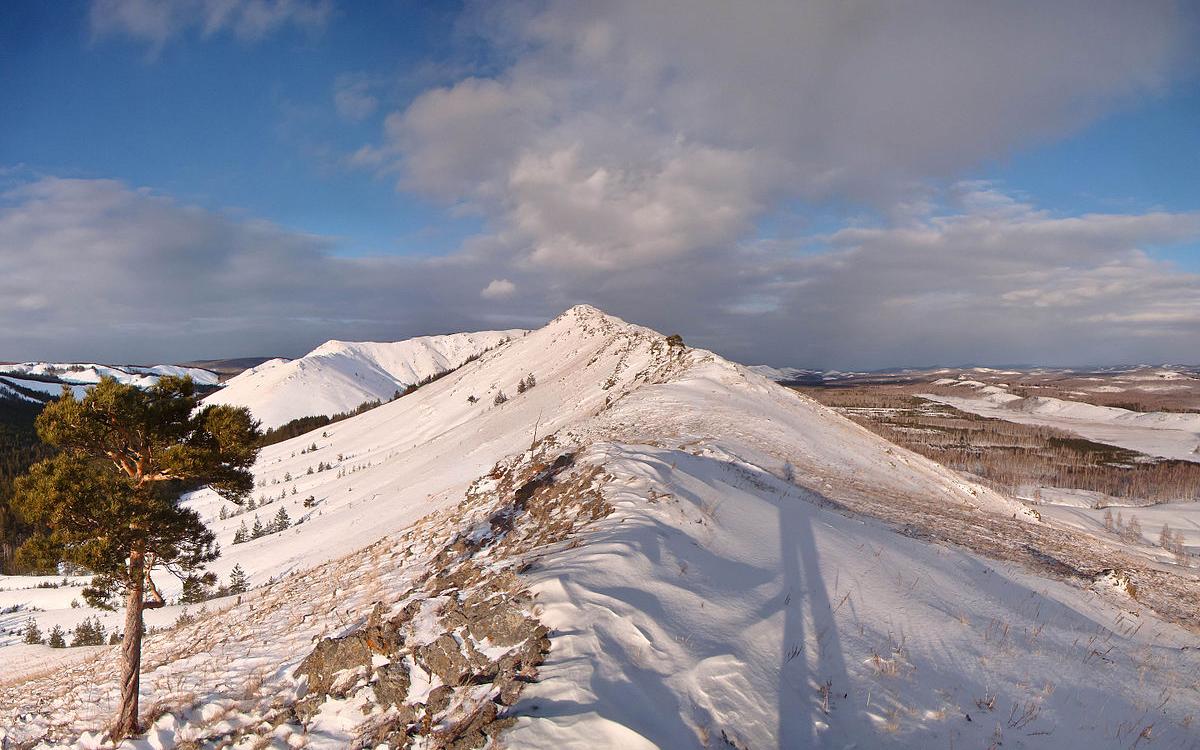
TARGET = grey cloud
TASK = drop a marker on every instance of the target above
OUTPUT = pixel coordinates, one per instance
(991, 287)
(624, 155)
(94, 269)
(675, 125)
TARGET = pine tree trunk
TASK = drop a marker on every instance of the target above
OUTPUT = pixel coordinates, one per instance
(131, 651)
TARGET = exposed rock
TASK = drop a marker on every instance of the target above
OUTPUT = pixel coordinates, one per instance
(482, 608)
(383, 636)
(331, 657)
(439, 699)
(475, 730)
(391, 684)
(444, 658)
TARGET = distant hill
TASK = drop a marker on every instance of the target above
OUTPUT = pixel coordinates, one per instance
(89, 373)
(338, 376)
(227, 368)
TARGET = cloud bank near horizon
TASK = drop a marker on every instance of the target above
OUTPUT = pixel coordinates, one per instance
(95, 269)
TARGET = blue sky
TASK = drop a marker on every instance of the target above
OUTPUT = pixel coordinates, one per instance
(225, 123)
(821, 189)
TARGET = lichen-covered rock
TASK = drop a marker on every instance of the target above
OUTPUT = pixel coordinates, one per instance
(391, 684)
(325, 666)
(475, 730)
(445, 659)
(439, 699)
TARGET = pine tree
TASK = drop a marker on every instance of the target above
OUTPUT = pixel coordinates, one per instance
(258, 529)
(281, 522)
(242, 535)
(82, 635)
(33, 634)
(90, 632)
(500, 398)
(195, 588)
(109, 500)
(527, 382)
(57, 638)
(237, 580)
(223, 514)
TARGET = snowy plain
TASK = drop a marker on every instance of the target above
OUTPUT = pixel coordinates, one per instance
(1163, 434)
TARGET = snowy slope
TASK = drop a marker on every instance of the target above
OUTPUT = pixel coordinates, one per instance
(7, 391)
(730, 598)
(50, 389)
(339, 375)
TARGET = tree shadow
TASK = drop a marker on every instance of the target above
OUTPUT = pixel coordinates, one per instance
(823, 673)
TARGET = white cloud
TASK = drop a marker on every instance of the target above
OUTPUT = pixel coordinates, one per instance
(625, 154)
(158, 21)
(624, 133)
(353, 98)
(499, 289)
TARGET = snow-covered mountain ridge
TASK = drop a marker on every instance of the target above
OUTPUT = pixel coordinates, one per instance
(338, 376)
(716, 558)
(85, 374)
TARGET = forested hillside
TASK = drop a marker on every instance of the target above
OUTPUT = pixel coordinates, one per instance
(19, 448)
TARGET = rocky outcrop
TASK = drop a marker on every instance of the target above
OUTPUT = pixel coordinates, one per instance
(447, 662)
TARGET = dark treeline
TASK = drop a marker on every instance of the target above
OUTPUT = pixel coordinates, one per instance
(20, 448)
(301, 425)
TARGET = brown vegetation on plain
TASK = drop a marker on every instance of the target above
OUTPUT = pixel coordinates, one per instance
(1012, 457)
